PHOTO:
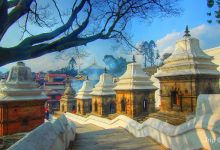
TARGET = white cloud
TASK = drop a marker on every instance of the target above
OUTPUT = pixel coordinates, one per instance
(207, 34)
(167, 43)
(43, 63)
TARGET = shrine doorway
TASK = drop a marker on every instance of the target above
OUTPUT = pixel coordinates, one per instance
(62, 107)
(79, 110)
(173, 97)
(96, 106)
(145, 105)
(90, 107)
(112, 108)
(123, 105)
(73, 108)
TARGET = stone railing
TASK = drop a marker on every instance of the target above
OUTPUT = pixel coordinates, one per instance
(203, 131)
(55, 135)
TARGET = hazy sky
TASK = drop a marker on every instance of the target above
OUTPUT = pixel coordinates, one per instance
(164, 31)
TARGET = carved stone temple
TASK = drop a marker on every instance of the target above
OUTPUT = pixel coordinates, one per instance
(84, 99)
(68, 101)
(103, 96)
(21, 102)
(134, 92)
(187, 73)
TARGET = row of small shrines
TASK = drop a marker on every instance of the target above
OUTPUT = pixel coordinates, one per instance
(187, 73)
(109, 98)
(105, 105)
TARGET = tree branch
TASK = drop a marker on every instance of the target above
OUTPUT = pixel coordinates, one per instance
(58, 10)
(12, 3)
(51, 35)
(21, 9)
(3, 16)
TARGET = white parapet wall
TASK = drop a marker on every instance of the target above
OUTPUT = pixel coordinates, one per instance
(55, 135)
(203, 131)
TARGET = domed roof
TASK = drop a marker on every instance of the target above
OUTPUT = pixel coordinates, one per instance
(86, 89)
(134, 79)
(188, 59)
(19, 85)
(104, 86)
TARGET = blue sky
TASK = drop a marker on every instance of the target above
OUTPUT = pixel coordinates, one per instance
(164, 31)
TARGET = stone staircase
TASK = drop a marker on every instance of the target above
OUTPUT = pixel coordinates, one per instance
(174, 118)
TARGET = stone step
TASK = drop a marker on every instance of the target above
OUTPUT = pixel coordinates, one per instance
(172, 118)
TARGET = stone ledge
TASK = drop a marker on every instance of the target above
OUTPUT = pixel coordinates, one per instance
(55, 135)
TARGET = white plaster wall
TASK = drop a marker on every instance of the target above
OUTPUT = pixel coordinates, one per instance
(215, 52)
(156, 83)
(55, 135)
(203, 131)
(208, 104)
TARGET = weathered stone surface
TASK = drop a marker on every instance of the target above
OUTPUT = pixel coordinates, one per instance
(103, 105)
(48, 136)
(84, 106)
(134, 102)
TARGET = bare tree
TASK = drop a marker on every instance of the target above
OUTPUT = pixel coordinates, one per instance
(78, 55)
(88, 21)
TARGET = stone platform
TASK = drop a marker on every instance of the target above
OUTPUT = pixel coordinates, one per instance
(91, 137)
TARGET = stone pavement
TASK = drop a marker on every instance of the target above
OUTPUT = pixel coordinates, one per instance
(91, 137)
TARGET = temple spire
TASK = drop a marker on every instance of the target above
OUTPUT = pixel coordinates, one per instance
(187, 32)
(133, 59)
